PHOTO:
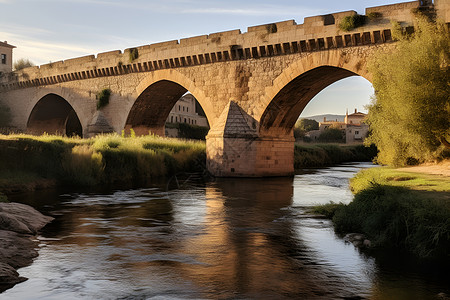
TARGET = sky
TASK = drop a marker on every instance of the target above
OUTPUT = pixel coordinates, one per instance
(51, 30)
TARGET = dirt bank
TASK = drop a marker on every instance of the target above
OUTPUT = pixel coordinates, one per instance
(442, 169)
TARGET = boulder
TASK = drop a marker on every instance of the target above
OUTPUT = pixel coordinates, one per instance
(21, 218)
(8, 277)
(358, 240)
(18, 222)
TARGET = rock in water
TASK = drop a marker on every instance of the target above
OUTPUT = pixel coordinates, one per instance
(21, 218)
(18, 222)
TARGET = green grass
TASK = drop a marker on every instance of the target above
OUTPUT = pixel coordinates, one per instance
(398, 210)
(392, 177)
(320, 155)
(105, 159)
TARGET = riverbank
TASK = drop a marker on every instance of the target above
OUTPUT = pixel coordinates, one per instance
(18, 224)
(322, 155)
(37, 162)
(32, 163)
(398, 209)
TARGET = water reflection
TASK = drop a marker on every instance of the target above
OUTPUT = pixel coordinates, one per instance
(228, 239)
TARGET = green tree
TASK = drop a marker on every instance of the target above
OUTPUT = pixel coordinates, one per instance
(22, 64)
(307, 124)
(410, 114)
(304, 125)
(331, 135)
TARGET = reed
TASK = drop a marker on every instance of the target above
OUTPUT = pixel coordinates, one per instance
(105, 159)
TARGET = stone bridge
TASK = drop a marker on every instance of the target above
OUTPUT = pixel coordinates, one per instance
(252, 86)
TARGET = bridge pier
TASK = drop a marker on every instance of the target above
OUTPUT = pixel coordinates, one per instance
(249, 157)
(235, 148)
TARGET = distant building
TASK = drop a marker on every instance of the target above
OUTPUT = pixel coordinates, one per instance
(186, 110)
(6, 57)
(353, 127)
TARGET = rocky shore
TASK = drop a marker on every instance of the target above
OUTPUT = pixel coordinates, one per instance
(18, 224)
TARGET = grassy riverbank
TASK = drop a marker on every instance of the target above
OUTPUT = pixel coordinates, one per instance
(321, 155)
(398, 210)
(31, 162)
(37, 162)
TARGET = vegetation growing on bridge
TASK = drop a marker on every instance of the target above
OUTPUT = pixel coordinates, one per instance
(103, 98)
(410, 117)
(349, 23)
(397, 210)
(133, 54)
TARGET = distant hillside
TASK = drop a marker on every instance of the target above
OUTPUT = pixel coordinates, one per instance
(330, 117)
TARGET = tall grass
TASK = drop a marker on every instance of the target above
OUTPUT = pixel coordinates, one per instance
(105, 159)
(397, 210)
(320, 155)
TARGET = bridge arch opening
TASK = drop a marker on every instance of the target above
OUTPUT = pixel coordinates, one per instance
(164, 102)
(285, 108)
(52, 114)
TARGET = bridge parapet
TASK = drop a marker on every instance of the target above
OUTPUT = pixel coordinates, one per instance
(286, 37)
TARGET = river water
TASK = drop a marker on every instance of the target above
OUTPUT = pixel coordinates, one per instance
(223, 239)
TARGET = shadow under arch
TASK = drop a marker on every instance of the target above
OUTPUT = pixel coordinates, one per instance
(157, 94)
(287, 105)
(151, 109)
(52, 114)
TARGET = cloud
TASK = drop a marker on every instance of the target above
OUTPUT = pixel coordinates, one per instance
(245, 11)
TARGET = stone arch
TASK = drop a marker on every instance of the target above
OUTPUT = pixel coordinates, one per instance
(54, 115)
(292, 90)
(156, 96)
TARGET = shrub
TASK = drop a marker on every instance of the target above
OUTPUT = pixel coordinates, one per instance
(320, 155)
(103, 98)
(331, 135)
(328, 210)
(22, 64)
(349, 23)
(397, 217)
(133, 54)
(188, 131)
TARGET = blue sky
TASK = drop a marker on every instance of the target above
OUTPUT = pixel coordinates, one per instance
(53, 30)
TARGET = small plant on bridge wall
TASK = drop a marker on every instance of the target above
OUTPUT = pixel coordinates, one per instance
(374, 15)
(271, 28)
(349, 23)
(103, 98)
(134, 54)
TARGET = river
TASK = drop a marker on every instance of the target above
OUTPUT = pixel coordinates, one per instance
(222, 239)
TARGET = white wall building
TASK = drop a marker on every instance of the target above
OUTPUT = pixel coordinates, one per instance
(185, 111)
(353, 127)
